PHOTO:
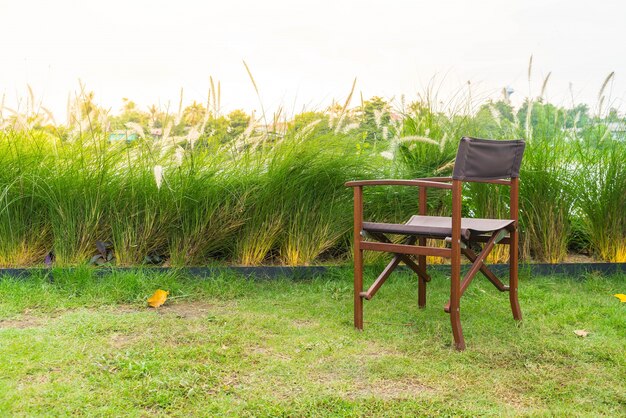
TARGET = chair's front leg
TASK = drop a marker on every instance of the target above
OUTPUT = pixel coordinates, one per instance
(514, 250)
(421, 260)
(358, 258)
(455, 266)
(513, 276)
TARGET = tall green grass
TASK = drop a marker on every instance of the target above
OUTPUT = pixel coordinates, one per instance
(602, 181)
(275, 194)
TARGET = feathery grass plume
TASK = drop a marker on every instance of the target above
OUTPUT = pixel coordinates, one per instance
(530, 72)
(192, 136)
(215, 97)
(167, 131)
(446, 168)
(219, 97)
(529, 100)
(50, 116)
(136, 128)
(307, 130)
(416, 138)
(387, 154)
(158, 175)
(179, 115)
(495, 115)
(601, 96)
(179, 155)
(258, 95)
(545, 85)
(30, 102)
(350, 127)
(378, 116)
(344, 108)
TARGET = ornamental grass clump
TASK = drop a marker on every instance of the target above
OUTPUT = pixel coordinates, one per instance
(272, 190)
(602, 182)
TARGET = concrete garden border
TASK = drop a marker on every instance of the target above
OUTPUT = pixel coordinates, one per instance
(305, 272)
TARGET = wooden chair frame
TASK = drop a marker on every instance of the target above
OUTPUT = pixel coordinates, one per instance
(458, 246)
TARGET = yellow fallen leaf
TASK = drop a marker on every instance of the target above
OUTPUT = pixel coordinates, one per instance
(620, 296)
(581, 333)
(158, 298)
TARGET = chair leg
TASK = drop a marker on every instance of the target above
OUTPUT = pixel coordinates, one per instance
(457, 331)
(455, 268)
(455, 307)
(421, 293)
(421, 284)
(513, 276)
(358, 288)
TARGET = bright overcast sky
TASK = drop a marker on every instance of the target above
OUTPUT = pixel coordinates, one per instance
(305, 53)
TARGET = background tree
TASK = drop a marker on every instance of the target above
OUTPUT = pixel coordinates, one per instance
(375, 116)
(130, 113)
(194, 114)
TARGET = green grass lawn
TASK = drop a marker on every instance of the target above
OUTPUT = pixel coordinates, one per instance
(235, 347)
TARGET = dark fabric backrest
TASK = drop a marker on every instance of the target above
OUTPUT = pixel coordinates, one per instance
(487, 159)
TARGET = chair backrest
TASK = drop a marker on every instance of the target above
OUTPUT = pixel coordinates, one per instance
(487, 159)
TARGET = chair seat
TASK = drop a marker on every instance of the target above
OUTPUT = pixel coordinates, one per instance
(439, 226)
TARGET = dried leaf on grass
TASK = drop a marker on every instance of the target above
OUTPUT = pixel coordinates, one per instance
(621, 297)
(581, 333)
(158, 298)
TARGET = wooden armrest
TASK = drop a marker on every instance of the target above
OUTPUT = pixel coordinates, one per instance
(437, 179)
(399, 182)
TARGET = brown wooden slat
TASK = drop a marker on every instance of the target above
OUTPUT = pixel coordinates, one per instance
(421, 272)
(381, 278)
(405, 249)
(500, 181)
(472, 256)
(398, 182)
(484, 238)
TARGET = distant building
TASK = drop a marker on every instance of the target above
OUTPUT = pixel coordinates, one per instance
(617, 129)
(122, 135)
(156, 132)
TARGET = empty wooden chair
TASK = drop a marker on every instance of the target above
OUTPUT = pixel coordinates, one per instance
(477, 160)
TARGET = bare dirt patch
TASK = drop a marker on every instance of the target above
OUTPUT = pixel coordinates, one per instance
(119, 341)
(269, 353)
(23, 322)
(387, 389)
(186, 310)
(372, 350)
(304, 323)
(189, 310)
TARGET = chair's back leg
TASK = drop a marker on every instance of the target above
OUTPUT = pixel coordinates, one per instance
(421, 293)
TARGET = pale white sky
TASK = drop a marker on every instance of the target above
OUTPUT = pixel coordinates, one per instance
(305, 53)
